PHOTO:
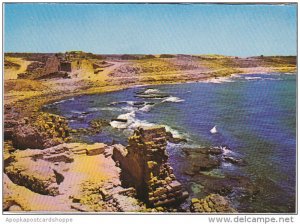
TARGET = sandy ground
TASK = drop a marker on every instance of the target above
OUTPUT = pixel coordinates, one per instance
(12, 73)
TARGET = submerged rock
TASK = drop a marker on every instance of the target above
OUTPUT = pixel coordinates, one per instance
(201, 159)
(99, 124)
(175, 140)
(152, 96)
(236, 161)
(119, 120)
(228, 184)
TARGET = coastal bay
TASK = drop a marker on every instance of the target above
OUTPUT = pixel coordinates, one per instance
(254, 119)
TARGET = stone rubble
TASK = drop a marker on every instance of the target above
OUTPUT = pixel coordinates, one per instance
(211, 203)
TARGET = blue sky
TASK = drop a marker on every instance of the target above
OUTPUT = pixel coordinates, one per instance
(240, 30)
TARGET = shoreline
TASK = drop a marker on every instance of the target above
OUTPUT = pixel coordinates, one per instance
(116, 88)
(31, 106)
(129, 99)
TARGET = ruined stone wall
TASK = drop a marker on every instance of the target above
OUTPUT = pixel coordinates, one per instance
(65, 66)
(52, 65)
(144, 163)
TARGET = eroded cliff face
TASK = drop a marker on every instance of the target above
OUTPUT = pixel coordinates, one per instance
(144, 165)
(67, 177)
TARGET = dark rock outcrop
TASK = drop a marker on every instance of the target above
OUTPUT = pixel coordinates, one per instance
(144, 164)
(27, 136)
(236, 161)
(201, 159)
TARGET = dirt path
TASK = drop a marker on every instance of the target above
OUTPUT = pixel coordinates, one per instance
(103, 76)
(12, 73)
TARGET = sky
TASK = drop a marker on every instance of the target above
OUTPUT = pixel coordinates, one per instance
(237, 30)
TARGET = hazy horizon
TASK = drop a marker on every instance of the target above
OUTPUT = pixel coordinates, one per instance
(148, 54)
(192, 29)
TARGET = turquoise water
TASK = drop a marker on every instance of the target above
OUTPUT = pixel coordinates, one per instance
(255, 117)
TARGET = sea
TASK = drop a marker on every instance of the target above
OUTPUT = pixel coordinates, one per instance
(253, 115)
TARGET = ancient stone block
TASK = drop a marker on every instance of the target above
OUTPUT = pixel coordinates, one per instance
(95, 149)
(175, 185)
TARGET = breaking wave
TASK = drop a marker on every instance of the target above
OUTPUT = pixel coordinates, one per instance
(151, 91)
(173, 99)
(62, 101)
(146, 108)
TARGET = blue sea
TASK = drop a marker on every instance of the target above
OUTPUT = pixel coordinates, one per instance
(254, 115)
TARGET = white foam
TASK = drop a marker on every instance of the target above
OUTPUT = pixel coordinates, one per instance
(252, 78)
(119, 125)
(129, 108)
(226, 164)
(146, 108)
(249, 78)
(130, 102)
(76, 112)
(129, 117)
(173, 99)
(174, 132)
(62, 101)
(151, 91)
(236, 76)
(226, 151)
(133, 123)
(105, 109)
(289, 73)
(273, 79)
(140, 123)
(121, 102)
(218, 80)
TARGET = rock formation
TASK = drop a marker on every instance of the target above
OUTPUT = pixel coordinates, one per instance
(67, 177)
(38, 170)
(211, 203)
(201, 159)
(144, 166)
(44, 131)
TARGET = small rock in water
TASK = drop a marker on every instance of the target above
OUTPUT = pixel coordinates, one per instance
(119, 120)
(236, 161)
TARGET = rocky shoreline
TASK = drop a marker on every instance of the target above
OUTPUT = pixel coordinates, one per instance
(46, 170)
(136, 178)
(40, 153)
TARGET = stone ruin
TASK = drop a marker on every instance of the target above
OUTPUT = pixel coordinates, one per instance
(144, 165)
(56, 66)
